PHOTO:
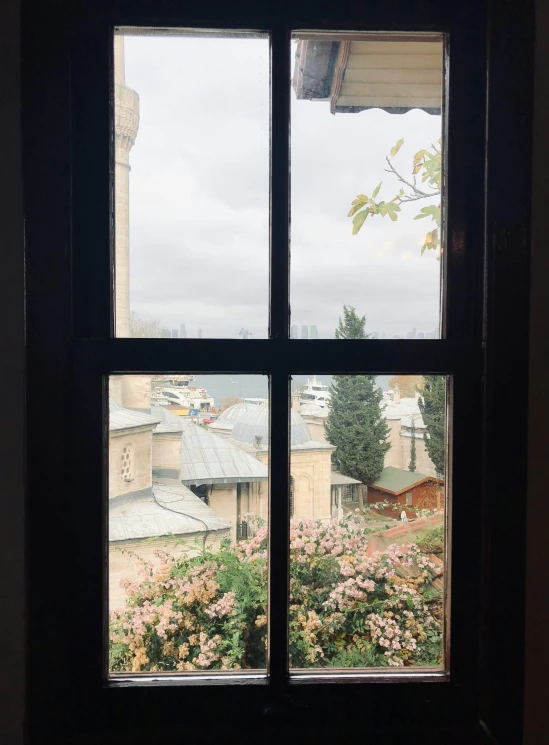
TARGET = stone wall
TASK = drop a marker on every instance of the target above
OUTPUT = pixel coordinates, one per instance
(129, 457)
(223, 502)
(311, 471)
(399, 454)
(166, 455)
(127, 565)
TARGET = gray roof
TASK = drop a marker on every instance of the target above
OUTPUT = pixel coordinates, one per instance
(256, 425)
(169, 510)
(121, 418)
(169, 422)
(209, 459)
(232, 414)
(339, 478)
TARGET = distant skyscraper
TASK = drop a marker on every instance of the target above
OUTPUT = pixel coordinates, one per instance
(293, 332)
(421, 335)
(304, 332)
(175, 334)
(437, 333)
(412, 334)
(200, 333)
(314, 333)
(166, 333)
(182, 331)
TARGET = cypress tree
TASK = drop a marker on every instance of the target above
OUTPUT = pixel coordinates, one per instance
(355, 425)
(351, 326)
(412, 466)
(432, 404)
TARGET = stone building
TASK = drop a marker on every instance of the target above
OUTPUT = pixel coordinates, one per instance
(315, 417)
(399, 414)
(149, 508)
(310, 460)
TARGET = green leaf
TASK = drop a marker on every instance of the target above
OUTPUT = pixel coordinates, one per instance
(358, 221)
(355, 209)
(431, 211)
(382, 207)
(396, 148)
(376, 190)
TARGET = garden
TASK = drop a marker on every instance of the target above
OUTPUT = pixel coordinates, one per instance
(347, 608)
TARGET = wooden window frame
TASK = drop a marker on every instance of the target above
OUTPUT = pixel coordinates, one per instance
(68, 168)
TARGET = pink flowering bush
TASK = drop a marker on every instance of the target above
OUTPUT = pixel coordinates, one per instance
(347, 609)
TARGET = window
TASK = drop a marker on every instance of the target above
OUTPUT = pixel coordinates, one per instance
(126, 469)
(409, 498)
(73, 156)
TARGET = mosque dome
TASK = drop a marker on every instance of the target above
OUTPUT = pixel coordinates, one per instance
(255, 424)
(312, 409)
(227, 419)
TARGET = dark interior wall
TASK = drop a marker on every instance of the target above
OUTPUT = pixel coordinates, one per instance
(537, 590)
(11, 382)
(12, 387)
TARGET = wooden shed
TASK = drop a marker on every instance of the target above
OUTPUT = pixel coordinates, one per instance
(407, 489)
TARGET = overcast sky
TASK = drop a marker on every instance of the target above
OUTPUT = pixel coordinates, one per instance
(199, 197)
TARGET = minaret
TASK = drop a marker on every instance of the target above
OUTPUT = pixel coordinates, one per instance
(126, 125)
(132, 391)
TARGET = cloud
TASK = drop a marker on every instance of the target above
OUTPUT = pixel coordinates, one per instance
(199, 198)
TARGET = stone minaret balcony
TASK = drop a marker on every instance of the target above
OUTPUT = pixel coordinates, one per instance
(126, 122)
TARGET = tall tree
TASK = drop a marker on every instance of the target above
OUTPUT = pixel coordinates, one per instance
(357, 429)
(412, 466)
(407, 384)
(229, 401)
(432, 404)
(355, 425)
(148, 328)
(351, 326)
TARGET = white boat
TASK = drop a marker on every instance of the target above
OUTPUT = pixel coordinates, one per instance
(177, 390)
(315, 392)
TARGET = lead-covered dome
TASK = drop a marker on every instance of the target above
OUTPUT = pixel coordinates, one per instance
(312, 409)
(227, 419)
(254, 428)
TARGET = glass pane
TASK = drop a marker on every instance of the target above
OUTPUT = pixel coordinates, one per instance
(367, 534)
(192, 185)
(366, 130)
(188, 507)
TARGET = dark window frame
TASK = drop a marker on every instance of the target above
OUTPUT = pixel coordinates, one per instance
(68, 169)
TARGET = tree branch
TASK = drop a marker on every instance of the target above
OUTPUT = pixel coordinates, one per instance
(419, 194)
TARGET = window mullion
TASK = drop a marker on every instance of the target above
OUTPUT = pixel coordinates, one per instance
(279, 530)
(280, 184)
